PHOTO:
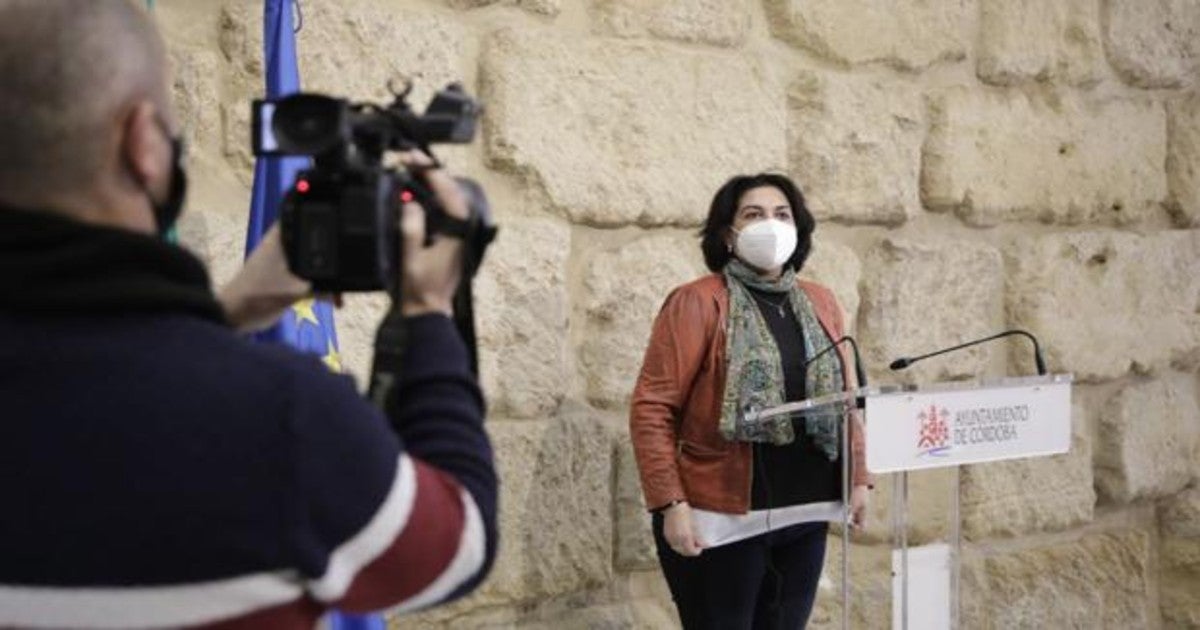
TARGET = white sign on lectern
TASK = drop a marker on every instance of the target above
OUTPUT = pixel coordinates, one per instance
(946, 426)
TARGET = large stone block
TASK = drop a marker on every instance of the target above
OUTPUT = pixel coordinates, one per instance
(625, 285)
(555, 510)
(1179, 523)
(640, 133)
(634, 540)
(1180, 583)
(558, 505)
(1153, 43)
(1179, 517)
(714, 22)
(1101, 581)
(856, 147)
(1028, 40)
(836, 266)
(919, 296)
(217, 238)
(1138, 294)
(994, 157)
(521, 309)
(907, 34)
(1147, 440)
(196, 96)
(541, 7)
(1183, 160)
(1031, 495)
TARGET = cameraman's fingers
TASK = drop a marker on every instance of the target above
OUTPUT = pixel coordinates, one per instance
(412, 227)
(415, 158)
(448, 193)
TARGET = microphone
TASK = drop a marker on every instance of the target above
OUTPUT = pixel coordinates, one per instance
(859, 372)
(903, 362)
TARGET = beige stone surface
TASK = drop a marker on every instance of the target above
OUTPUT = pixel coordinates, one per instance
(1153, 43)
(634, 543)
(620, 309)
(635, 601)
(1025, 496)
(521, 314)
(617, 152)
(1100, 581)
(1179, 577)
(196, 96)
(1003, 156)
(556, 509)
(856, 147)
(836, 266)
(217, 238)
(1183, 160)
(928, 511)
(1179, 523)
(920, 295)
(1147, 439)
(713, 22)
(907, 34)
(1139, 294)
(871, 588)
(1179, 517)
(1030, 40)
(540, 7)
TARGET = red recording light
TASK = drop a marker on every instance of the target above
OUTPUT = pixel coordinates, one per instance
(407, 196)
(303, 186)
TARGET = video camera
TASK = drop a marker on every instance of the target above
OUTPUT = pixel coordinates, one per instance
(339, 220)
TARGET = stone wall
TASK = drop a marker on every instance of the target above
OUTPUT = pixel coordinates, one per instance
(974, 164)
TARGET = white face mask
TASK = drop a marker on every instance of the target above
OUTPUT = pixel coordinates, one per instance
(766, 244)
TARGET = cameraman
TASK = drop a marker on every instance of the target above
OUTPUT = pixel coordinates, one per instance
(156, 469)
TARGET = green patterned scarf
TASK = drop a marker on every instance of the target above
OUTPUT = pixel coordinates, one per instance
(754, 377)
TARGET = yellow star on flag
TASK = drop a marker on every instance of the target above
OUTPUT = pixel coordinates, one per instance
(332, 359)
(305, 313)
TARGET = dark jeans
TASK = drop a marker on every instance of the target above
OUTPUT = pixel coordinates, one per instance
(767, 582)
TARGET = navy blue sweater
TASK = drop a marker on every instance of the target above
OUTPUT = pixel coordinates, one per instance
(158, 470)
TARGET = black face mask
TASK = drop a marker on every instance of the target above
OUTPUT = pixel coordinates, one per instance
(167, 212)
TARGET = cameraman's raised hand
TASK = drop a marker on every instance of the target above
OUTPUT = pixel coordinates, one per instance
(264, 288)
(431, 274)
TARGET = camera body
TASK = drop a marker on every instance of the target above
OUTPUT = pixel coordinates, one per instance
(339, 219)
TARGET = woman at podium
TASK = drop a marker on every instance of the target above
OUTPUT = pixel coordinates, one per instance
(740, 508)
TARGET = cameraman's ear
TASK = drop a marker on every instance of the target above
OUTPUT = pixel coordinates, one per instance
(145, 149)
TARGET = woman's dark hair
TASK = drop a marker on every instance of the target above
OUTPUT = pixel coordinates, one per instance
(725, 205)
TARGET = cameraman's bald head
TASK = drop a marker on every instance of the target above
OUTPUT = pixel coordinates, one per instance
(74, 76)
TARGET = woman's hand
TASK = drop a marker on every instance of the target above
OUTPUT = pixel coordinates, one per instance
(859, 497)
(679, 530)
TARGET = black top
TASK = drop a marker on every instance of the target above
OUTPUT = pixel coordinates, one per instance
(799, 472)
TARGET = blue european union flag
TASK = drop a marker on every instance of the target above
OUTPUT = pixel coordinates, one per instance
(307, 326)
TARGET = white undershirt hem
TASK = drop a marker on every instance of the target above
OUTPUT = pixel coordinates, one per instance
(716, 528)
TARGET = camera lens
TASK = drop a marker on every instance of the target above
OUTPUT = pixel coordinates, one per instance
(308, 124)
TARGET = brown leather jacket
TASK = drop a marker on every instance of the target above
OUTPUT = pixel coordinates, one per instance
(676, 405)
